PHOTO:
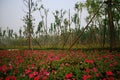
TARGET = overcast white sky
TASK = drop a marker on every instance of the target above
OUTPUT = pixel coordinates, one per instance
(11, 12)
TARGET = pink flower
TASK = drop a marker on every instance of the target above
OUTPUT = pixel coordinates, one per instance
(109, 73)
(68, 76)
(52, 57)
(31, 75)
(35, 73)
(87, 70)
(94, 69)
(27, 71)
(46, 73)
(104, 79)
(85, 77)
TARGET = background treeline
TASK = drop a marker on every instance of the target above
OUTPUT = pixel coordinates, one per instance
(63, 31)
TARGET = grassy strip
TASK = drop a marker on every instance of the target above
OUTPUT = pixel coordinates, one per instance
(37, 48)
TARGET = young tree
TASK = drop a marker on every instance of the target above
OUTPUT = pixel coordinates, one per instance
(28, 19)
(78, 9)
(39, 28)
(4, 33)
(20, 32)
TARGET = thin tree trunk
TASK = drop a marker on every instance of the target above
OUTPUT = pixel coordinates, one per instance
(111, 26)
(29, 26)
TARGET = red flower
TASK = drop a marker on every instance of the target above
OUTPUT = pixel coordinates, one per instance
(68, 76)
(3, 68)
(109, 73)
(115, 63)
(10, 78)
(85, 77)
(87, 70)
(97, 75)
(36, 78)
(98, 58)
(44, 78)
(111, 65)
(13, 78)
(89, 61)
(52, 57)
(7, 78)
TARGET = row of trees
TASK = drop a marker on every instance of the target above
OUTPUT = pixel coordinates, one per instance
(104, 28)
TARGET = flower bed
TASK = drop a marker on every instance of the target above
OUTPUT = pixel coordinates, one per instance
(59, 65)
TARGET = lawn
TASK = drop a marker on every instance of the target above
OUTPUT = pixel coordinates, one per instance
(59, 65)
